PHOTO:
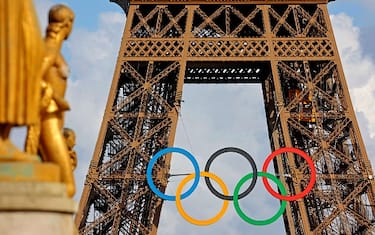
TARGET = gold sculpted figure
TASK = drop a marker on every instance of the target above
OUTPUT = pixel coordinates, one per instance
(21, 55)
(33, 79)
(52, 145)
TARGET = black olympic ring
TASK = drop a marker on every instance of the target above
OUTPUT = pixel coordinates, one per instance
(235, 150)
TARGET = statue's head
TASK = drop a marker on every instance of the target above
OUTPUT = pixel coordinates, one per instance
(70, 137)
(60, 20)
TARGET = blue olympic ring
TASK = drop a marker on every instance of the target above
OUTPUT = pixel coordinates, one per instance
(160, 154)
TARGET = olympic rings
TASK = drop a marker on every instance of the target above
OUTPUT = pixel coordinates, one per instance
(191, 219)
(242, 214)
(236, 196)
(225, 150)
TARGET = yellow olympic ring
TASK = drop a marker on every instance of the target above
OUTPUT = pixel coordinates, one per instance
(188, 217)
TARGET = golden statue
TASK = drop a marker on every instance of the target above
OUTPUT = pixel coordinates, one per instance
(21, 56)
(52, 144)
(32, 85)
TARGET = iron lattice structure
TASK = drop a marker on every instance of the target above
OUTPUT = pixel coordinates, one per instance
(286, 45)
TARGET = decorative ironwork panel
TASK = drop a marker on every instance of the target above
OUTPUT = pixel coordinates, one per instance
(225, 48)
(154, 48)
(303, 48)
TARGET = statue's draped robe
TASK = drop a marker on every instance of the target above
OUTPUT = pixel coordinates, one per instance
(21, 55)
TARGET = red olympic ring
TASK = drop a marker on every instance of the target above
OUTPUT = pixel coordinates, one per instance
(309, 186)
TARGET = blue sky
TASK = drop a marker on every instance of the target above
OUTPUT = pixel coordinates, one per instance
(86, 13)
(92, 50)
(361, 11)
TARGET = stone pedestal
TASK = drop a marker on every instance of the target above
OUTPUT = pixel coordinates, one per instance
(37, 206)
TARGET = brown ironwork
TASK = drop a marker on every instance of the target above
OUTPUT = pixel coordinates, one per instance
(286, 45)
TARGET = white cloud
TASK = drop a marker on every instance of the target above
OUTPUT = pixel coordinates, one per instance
(347, 37)
(360, 75)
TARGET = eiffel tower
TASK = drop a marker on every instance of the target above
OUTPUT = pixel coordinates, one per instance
(288, 47)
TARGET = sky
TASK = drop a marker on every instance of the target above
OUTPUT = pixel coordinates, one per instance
(212, 116)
